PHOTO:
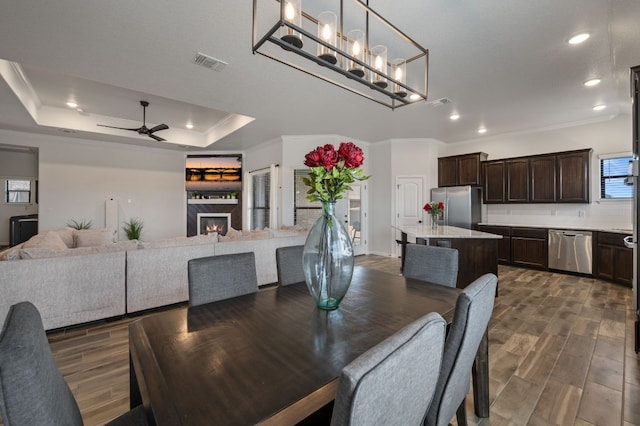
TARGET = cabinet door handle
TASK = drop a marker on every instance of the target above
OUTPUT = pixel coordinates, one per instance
(628, 242)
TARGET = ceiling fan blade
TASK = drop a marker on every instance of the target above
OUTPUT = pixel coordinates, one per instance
(158, 138)
(120, 128)
(158, 128)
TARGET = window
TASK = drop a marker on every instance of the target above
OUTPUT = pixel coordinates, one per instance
(260, 193)
(305, 212)
(17, 191)
(614, 171)
(262, 206)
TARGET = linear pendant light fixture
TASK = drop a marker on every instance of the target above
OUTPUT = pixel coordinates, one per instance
(351, 46)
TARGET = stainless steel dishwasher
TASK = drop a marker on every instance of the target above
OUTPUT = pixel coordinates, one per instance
(570, 250)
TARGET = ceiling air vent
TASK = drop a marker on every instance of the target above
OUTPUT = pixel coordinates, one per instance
(439, 102)
(209, 62)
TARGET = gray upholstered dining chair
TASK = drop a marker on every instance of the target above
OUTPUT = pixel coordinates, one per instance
(221, 277)
(438, 265)
(393, 382)
(32, 389)
(289, 265)
(470, 320)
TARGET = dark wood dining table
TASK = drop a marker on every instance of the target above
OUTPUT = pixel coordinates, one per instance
(271, 357)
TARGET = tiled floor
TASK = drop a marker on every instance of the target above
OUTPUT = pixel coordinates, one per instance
(561, 352)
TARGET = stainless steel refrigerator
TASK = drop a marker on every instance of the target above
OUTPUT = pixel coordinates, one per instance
(635, 93)
(462, 205)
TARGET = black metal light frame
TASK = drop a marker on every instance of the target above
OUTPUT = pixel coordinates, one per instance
(395, 101)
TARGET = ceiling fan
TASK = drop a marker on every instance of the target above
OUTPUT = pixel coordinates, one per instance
(144, 130)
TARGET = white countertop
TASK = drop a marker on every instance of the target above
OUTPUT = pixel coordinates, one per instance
(442, 231)
(581, 228)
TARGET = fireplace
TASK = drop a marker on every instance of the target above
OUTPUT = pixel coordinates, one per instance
(211, 223)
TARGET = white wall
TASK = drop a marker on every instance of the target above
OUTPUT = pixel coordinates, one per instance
(381, 236)
(77, 177)
(16, 165)
(612, 136)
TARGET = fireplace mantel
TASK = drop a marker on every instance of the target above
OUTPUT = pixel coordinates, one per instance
(213, 201)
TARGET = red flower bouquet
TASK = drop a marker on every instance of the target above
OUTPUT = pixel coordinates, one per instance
(331, 171)
(434, 209)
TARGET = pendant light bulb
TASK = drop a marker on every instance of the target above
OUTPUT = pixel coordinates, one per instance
(289, 12)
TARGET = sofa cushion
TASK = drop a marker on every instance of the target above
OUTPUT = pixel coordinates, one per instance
(182, 241)
(48, 239)
(94, 237)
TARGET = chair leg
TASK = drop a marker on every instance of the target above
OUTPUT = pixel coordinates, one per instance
(461, 413)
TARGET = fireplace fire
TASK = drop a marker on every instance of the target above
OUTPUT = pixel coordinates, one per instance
(211, 223)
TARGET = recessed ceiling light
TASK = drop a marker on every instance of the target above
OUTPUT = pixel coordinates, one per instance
(592, 82)
(79, 110)
(72, 104)
(578, 38)
(482, 130)
(189, 126)
(414, 97)
(599, 107)
(454, 116)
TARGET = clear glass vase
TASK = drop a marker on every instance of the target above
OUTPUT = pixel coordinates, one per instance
(434, 222)
(328, 260)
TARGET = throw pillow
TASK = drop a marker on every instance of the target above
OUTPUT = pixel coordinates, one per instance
(66, 234)
(94, 237)
(48, 239)
(231, 233)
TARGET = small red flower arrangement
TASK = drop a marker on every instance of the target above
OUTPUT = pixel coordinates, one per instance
(434, 209)
(331, 171)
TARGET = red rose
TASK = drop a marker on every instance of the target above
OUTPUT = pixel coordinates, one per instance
(441, 205)
(427, 207)
(325, 156)
(351, 154)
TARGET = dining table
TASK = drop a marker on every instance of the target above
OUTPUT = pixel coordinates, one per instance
(273, 357)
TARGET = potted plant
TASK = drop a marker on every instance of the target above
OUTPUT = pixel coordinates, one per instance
(133, 228)
(83, 224)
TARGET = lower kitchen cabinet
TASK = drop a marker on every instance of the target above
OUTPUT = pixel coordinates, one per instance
(504, 245)
(612, 260)
(529, 247)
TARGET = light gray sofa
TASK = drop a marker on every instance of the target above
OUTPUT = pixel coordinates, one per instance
(158, 276)
(72, 288)
(66, 290)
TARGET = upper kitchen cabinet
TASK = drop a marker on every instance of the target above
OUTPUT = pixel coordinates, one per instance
(493, 182)
(543, 178)
(550, 178)
(460, 169)
(572, 176)
(517, 184)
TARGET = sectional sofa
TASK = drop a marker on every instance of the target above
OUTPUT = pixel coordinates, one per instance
(99, 279)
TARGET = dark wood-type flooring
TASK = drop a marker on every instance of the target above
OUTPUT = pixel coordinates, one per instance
(561, 353)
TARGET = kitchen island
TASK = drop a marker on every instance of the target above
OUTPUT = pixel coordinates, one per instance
(478, 251)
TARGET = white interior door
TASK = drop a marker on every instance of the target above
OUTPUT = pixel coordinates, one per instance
(409, 202)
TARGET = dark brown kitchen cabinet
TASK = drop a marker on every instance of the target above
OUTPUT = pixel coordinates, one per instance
(493, 182)
(572, 176)
(549, 178)
(529, 247)
(517, 180)
(612, 260)
(543, 178)
(504, 245)
(460, 169)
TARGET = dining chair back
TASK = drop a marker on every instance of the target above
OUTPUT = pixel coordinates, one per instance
(289, 265)
(393, 382)
(221, 277)
(33, 392)
(470, 320)
(437, 265)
